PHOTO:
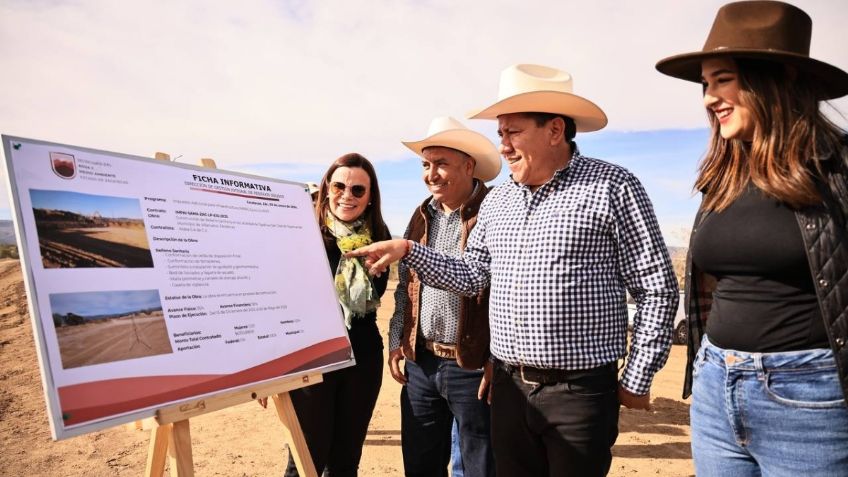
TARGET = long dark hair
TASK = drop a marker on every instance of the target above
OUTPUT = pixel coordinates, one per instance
(372, 213)
(791, 135)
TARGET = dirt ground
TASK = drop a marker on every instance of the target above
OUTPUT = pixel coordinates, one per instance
(117, 339)
(246, 440)
(112, 246)
(132, 235)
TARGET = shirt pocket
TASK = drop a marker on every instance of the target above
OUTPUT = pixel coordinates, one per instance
(572, 230)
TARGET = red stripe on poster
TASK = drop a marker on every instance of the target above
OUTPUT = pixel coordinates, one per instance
(85, 402)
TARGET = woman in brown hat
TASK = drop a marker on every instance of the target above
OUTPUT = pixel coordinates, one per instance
(767, 274)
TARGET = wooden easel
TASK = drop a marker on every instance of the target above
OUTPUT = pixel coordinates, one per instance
(171, 433)
(171, 436)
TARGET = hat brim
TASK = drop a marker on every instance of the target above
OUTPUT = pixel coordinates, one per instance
(687, 66)
(587, 115)
(487, 160)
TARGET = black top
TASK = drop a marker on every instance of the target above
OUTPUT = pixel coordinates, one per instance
(764, 300)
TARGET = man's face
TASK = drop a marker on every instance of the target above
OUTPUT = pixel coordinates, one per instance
(448, 174)
(525, 147)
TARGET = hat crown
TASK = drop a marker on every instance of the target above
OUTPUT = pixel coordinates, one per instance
(764, 30)
(446, 131)
(443, 123)
(526, 78)
(761, 25)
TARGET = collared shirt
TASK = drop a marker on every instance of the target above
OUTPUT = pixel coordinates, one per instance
(439, 314)
(559, 260)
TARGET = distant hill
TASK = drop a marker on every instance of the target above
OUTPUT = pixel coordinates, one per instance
(70, 319)
(678, 261)
(677, 252)
(7, 233)
(53, 218)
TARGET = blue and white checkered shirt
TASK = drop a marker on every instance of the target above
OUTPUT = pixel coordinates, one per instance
(559, 261)
(440, 309)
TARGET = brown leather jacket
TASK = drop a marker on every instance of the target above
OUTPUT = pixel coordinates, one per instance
(472, 344)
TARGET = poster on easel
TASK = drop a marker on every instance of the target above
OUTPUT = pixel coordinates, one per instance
(152, 282)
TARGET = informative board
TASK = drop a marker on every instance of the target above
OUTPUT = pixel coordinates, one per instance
(151, 282)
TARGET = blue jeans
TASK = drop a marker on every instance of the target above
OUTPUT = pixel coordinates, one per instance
(456, 453)
(769, 414)
(436, 392)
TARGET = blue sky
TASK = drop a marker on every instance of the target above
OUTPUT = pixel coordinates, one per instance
(664, 160)
(86, 204)
(282, 88)
(104, 303)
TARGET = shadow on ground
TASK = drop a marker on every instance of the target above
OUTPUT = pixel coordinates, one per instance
(669, 417)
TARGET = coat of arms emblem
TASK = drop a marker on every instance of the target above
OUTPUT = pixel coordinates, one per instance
(64, 165)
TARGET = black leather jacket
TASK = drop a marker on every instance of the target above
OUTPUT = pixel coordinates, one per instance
(825, 233)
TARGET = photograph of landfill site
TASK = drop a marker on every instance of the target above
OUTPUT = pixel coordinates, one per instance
(102, 327)
(77, 230)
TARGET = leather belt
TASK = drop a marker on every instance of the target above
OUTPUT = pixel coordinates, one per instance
(442, 350)
(531, 375)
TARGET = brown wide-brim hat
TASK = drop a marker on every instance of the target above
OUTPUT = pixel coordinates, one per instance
(760, 29)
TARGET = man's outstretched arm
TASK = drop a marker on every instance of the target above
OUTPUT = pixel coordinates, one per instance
(379, 255)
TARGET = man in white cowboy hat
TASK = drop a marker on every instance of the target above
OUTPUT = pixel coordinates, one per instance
(444, 336)
(560, 244)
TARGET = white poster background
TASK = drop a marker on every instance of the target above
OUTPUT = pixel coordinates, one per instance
(238, 263)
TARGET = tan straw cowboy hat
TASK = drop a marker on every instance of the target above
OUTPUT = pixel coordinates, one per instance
(541, 89)
(761, 29)
(446, 131)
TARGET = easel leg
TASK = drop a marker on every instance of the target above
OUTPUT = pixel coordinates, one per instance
(157, 450)
(179, 450)
(294, 435)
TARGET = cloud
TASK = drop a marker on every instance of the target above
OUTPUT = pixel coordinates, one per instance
(281, 88)
(308, 81)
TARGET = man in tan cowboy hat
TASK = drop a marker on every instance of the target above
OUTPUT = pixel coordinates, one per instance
(443, 336)
(560, 244)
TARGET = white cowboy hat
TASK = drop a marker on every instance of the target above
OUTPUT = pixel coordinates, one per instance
(541, 89)
(446, 131)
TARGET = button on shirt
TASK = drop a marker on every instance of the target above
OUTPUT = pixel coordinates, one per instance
(439, 314)
(559, 261)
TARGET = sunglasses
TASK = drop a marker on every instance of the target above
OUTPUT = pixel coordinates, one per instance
(338, 188)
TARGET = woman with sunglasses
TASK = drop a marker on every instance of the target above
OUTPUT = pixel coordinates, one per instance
(335, 414)
(767, 274)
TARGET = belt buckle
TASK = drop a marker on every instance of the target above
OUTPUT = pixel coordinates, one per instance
(525, 380)
(442, 351)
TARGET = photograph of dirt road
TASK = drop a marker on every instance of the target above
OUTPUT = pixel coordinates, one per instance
(102, 327)
(77, 230)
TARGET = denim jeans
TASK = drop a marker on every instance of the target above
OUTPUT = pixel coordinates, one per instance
(437, 390)
(769, 414)
(456, 453)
